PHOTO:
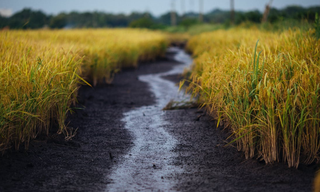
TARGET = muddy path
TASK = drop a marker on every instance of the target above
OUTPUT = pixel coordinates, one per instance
(149, 161)
(125, 142)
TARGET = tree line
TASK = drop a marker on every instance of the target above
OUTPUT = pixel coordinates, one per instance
(31, 19)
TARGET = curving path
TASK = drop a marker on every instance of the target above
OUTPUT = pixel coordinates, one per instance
(149, 162)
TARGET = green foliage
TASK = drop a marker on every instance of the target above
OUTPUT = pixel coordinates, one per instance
(293, 13)
(188, 22)
(3, 22)
(285, 24)
(251, 16)
(201, 28)
(217, 16)
(58, 21)
(317, 26)
(197, 28)
(175, 29)
(146, 23)
(28, 19)
(166, 18)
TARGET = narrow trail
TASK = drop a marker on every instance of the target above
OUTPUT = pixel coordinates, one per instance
(149, 162)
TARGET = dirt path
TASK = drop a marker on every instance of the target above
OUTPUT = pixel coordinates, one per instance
(187, 153)
(149, 161)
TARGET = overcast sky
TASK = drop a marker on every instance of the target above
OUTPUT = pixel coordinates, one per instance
(156, 7)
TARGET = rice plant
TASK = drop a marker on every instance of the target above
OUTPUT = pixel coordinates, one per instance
(42, 70)
(265, 86)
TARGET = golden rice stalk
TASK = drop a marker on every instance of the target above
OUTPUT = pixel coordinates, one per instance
(267, 91)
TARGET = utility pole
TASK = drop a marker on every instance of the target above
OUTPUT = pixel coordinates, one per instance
(182, 8)
(200, 11)
(266, 12)
(232, 11)
(191, 5)
(173, 14)
(147, 15)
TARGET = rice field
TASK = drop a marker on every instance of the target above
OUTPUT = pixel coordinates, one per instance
(41, 71)
(264, 87)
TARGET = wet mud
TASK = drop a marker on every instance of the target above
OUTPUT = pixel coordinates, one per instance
(210, 165)
(149, 162)
(125, 142)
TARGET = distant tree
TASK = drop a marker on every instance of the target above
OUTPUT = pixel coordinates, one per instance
(252, 16)
(28, 19)
(308, 14)
(142, 23)
(317, 26)
(165, 18)
(59, 21)
(293, 12)
(217, 16)
(275, 15)
(73, 19)
(312, 12)
(146, 23)
(135, 16)
(188, 22)
(3, 22)
(119, 20)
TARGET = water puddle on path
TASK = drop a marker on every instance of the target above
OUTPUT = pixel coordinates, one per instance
(149, 162)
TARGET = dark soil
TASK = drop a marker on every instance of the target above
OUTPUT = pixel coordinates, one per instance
(84, 163)
(212, 166)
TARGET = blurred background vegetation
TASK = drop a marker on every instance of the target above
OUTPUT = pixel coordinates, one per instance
(189, 22)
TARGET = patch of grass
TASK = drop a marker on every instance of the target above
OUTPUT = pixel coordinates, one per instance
(317, 26)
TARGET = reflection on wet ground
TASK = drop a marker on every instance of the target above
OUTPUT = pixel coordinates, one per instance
(148, 165)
